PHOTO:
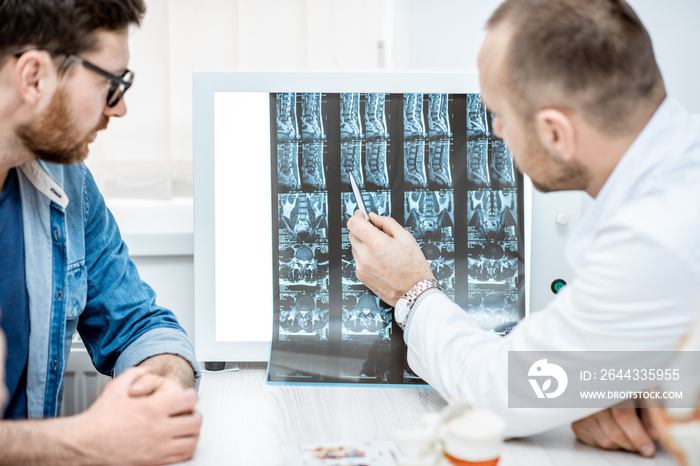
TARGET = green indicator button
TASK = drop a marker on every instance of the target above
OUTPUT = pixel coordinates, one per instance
(557, 285)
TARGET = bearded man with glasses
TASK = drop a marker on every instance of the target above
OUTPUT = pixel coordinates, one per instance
(65, 268)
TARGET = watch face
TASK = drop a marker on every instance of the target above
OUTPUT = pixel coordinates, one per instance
(401, 311)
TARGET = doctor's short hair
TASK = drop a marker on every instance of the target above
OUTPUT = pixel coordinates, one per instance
(62, 26)
(592, 56)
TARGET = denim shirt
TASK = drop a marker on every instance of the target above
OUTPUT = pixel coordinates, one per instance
(79, 277)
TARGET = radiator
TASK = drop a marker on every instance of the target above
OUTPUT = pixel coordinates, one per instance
(83, 384)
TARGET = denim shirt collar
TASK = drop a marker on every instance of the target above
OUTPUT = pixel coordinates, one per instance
(37, 174)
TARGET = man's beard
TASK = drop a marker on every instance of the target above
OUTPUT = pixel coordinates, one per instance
(53, 136)
(561, 176)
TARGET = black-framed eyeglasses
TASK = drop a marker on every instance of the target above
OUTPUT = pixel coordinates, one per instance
(118, 84)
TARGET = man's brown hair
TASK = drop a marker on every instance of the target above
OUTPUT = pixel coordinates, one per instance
(62, 26)
(595, 54)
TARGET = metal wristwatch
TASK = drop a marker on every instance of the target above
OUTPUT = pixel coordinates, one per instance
(405, 303)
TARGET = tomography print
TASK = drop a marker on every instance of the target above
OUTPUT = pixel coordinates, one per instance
(312, 143)
(492, 215)
(303, 218)
(429, 207)
(502, 166)
(478, 119)
(430, 215)
(366, 321)
(478, 173)
(414, 142)
(429, 160)
(439, 140)
(377, 140)
(365, 317)
(303, 317)
(288, 137)
(351, 139)
(299, 125)
(493, 226)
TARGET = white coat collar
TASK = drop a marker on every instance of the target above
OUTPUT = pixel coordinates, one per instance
(659, 142)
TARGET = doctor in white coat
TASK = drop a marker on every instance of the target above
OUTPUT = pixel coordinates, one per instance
(577, 95)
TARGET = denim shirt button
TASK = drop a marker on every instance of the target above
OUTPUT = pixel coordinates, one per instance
(60, 295)
(55, 364)
(55, 234)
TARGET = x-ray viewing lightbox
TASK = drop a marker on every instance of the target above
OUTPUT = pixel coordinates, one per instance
(273, 267)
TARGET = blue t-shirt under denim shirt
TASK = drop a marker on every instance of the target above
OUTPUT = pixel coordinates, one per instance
(14, 305)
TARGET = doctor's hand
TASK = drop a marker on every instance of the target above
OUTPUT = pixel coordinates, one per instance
(618, 428)
(122, 429)
(388, 259)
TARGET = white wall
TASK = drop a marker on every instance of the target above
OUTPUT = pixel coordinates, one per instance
(148, 153)
(447, 34)
(675, 31)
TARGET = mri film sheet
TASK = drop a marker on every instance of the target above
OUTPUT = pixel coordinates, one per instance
(430, 161)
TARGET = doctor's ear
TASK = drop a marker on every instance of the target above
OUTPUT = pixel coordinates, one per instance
(35, 76)
(556, 132)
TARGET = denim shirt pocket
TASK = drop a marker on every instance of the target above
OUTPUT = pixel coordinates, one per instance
(77, 295)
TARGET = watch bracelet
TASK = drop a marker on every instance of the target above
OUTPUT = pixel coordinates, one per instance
(415, 306)
(428, 283)
(414, 293)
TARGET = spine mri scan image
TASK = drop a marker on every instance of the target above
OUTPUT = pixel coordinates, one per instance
(429, 160)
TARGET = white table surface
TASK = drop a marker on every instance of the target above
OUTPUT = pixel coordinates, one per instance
(246, 422)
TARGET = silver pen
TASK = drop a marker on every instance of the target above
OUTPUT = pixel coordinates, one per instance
(358, 196)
